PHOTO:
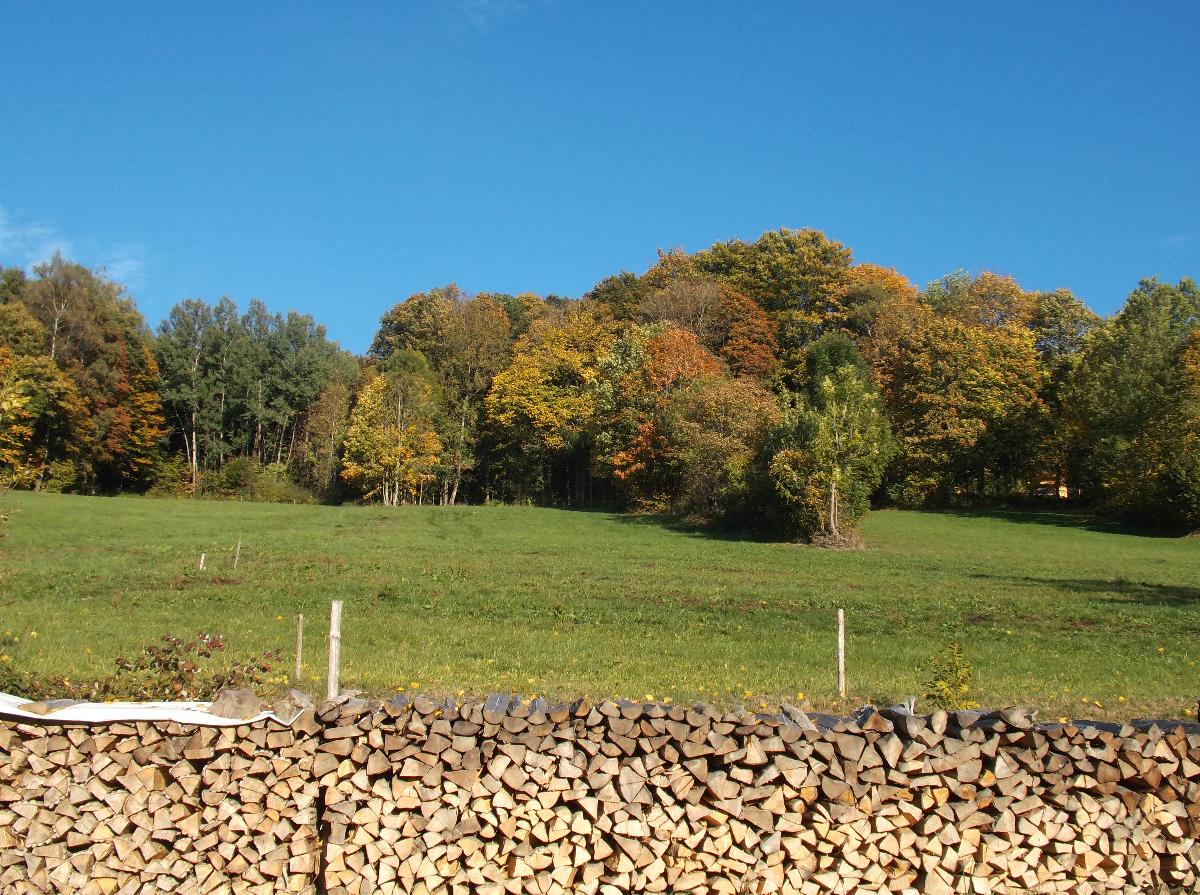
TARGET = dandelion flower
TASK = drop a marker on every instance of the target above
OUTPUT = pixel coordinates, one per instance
(414, 684)
(1120, 699)
(5, 659)
(34, 634)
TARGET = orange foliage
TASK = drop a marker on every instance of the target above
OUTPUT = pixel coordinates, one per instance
(675, 357)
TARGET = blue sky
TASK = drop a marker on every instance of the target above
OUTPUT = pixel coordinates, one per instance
(334, 158)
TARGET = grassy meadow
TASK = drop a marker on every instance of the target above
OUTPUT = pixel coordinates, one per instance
(1050, 613)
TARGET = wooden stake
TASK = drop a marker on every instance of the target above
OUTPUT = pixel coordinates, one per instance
(201, 562)
(842, 653)
(237, 554)
(299, 644)
(335, 649)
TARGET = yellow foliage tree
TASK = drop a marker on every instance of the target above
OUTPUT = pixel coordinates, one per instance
(541, 403)
(392, 449)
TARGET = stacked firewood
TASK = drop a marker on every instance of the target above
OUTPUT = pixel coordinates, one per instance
(117, 808)
(506, 796)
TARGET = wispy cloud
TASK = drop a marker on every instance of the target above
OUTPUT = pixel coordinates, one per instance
(26, 243)
(1179, 239)
(29, 243)
(484, 14)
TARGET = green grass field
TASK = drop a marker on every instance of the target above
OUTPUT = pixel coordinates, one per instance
(560, 603)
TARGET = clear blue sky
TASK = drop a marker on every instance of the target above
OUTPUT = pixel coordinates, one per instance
(336, 157)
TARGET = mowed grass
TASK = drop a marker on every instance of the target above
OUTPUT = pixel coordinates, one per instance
(561, 603)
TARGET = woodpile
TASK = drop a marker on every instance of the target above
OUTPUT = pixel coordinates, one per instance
(504, 796)
(122, 808)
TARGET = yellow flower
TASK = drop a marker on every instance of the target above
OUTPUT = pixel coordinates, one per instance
(399, 689)
(414, 684)
(649, 697)
(667, 700)
(746, 694)
(1120, 699)
(800, 695)
(5, 659)
(34, 634)
(531, 680)
(1008, 632)
(87, 650)
(279, 618)
(1162, 649)
(1062, 720)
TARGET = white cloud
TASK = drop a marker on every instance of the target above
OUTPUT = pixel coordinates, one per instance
(483, 14)
(28, 243)
(1178, 239)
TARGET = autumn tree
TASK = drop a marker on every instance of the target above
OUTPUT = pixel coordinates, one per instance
(861, 293)
(95, 336)
(540, 407)
(713, 428)
(961, 381)
(391, 447)
(633, 390)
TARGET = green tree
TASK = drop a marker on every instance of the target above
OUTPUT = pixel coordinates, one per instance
(828, 456)
(1127, 399)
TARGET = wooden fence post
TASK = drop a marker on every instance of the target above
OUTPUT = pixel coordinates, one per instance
(335, 649)
(299, 644)
(202, 562)
(237, 554)
(841, 658)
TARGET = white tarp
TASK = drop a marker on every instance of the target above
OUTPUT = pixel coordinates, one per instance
(105, 712)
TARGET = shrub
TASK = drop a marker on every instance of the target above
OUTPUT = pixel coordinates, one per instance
(244, 478)
(952, 680)
(173, 669)
(171, 477)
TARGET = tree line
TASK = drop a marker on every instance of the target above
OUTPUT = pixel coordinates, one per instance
(774, 385)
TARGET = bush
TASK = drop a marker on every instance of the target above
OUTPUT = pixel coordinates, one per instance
(174, 669)
(244, 478)
(952, 680)
(171, 477)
